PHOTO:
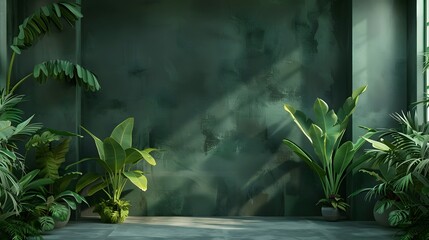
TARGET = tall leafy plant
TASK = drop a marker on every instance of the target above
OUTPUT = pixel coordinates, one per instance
(333, 159)
(406, 150)
(118, 159)
(33, 28)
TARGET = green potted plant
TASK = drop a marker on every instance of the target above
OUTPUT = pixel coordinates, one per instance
(51, 148)
(334, 159)
(117, 158)
(405, 151)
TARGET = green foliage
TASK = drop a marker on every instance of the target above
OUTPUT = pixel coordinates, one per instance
(335, 159)
(10, 187)
(116, 157)
(19, 229)
(63, 70)
(49, 157)
(335, 202)
(46, 223)
(113, 211)
(34, 28)
(404, 152)
(40, 22)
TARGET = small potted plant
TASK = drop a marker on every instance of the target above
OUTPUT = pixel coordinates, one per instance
(118, 159)
(334, 159)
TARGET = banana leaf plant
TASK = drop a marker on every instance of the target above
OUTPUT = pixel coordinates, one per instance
(36, 26)
(118, 160)
(333, 159)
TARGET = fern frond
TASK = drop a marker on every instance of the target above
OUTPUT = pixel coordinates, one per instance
(63, 70)
(41, 21)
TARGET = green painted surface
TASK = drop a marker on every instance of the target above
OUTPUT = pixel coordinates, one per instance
(206, 81)
(3, 41)
(379, 61)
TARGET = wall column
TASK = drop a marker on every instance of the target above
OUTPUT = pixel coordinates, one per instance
(379, 60)
(4, 49)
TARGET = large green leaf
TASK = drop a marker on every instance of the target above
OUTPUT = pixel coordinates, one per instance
(134, 156)
(325, 119)
(123, 133)
(39, 23)
(306, 157)
(101, 162)
(115, 154)
(98, 144)
(137, 178)
(343, 158)
(6, 130)
(378, 145)
(63, 70)
(86, 180)
(319, 145)
(301, 120)
(63, 183)
(97, 187)
(349, 107)
(147, 157)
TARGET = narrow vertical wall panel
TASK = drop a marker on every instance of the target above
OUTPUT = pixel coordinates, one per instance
(3, 41)
(379, 61)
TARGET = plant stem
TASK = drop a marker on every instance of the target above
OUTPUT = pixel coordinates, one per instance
(9, 73)
(20, 82)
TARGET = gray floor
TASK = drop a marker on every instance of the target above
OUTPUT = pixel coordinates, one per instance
(221, 228)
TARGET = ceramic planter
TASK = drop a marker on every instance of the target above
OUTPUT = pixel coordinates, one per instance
(383, 218)
(330, 214)
(59, 223)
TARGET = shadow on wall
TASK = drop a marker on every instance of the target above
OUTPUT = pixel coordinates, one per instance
(206, 82)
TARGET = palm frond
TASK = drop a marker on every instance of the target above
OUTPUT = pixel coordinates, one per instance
(41, 21)
(8, 110)
(63, 70)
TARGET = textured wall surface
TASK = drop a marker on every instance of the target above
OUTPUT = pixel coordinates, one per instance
(206, 82)
(54, 103)
(379, 61)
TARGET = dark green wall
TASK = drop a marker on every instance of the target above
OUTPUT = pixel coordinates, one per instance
(206, 82)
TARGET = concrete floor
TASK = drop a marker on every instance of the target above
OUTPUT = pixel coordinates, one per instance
(221, 228)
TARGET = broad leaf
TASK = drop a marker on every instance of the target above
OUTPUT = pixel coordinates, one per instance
(115, 154)
(98, 144)
(87, 180)
(123, 133)
(97, 187)
(343, 158)
(301, 120)
(319, 145)
(349, 107)
(138, 179)
(305, 157)
(378, 145)
(325, 119)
